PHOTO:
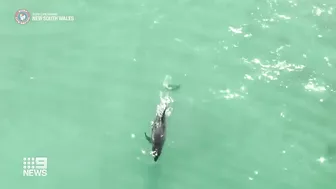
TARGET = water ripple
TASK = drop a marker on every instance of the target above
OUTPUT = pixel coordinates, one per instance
(229, 93)
(313, 85)
(271, 70)
(318, 11)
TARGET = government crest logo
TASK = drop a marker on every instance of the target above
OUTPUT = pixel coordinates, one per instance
(22, 16)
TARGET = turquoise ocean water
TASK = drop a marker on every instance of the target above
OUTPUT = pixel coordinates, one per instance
(256, 107)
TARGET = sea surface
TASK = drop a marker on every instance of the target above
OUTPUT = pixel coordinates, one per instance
(256, 108)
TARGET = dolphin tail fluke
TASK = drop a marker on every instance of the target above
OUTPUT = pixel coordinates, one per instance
(172, 87)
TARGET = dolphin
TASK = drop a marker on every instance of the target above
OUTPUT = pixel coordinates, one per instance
(158, 136)
(172, 87)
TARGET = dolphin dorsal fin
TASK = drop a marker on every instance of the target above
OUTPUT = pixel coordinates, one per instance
(162, 117)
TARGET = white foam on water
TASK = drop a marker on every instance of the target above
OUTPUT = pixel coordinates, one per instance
(167, 80)
(165, 100)
(235, 30)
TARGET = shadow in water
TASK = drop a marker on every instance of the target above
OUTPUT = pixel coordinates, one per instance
(153, 176)
(331, 152)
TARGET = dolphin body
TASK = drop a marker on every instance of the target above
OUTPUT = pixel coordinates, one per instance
(158, 136)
